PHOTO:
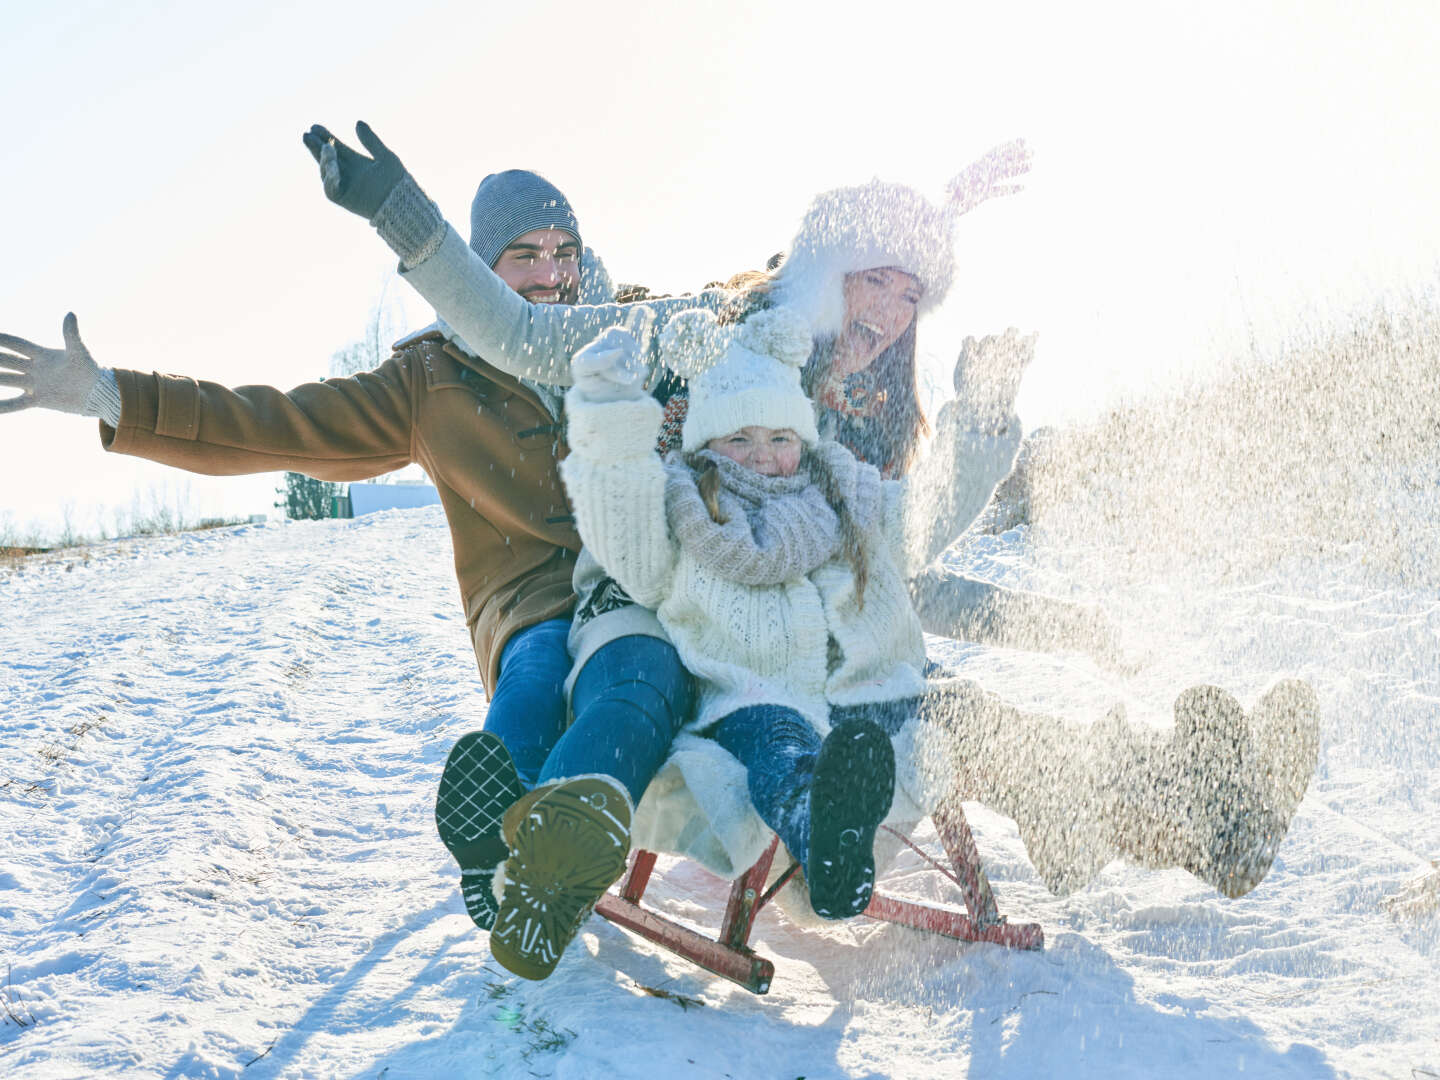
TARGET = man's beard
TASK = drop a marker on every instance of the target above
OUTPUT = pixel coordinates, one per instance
(569, 294)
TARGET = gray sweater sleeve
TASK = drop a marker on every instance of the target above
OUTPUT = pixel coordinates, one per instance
(532, 341)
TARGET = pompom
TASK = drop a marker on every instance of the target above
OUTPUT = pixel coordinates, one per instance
(780, 332)
(692, 341)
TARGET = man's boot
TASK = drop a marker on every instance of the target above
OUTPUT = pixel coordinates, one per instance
(568, 843)
(478, 785)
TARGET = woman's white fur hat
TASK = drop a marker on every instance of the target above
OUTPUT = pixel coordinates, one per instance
(742, 375)
(859, 228)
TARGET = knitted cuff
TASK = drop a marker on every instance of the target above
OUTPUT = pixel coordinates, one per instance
(103, 400)
(410, 223)
(611, 431)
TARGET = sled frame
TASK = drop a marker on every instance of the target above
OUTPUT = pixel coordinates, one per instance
(729, 955)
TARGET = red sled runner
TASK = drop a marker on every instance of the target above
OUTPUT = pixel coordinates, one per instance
(729, 955)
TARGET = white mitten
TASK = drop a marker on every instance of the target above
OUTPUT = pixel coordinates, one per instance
(987, 377)
(610, 367)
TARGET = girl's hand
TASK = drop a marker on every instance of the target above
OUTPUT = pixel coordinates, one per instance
(610, 367)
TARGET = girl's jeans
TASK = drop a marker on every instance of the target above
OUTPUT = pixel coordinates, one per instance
(777, 746)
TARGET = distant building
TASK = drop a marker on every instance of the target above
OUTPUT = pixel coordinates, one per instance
(368, 498)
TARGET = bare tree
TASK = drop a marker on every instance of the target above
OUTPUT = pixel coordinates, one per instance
(385, 325)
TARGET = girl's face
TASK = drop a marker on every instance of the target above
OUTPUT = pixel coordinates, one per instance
(879, 306)
(767, 451)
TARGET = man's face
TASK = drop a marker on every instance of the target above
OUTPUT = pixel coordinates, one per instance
(543, 266)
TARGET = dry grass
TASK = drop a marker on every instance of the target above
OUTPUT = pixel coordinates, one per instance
(1336, 443)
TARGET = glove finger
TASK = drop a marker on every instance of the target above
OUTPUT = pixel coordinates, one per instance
(16, 380)
(368, 139)
(9, 405)
(313, 143)
(321, 132)
(27, 350)
(330, 176)
(70, 328)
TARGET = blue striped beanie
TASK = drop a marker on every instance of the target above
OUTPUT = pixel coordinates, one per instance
(510, 204)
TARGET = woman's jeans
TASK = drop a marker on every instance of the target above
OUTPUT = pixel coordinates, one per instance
(629, 700)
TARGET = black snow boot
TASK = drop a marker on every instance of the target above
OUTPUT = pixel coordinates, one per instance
(850, 794)
(478, 785)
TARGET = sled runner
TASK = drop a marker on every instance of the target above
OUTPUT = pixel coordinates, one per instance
(729, 954)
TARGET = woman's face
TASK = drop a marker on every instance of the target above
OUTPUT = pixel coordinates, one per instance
(879, 306)
(767, 451)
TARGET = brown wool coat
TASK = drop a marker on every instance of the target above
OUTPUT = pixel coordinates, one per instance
(485, 440)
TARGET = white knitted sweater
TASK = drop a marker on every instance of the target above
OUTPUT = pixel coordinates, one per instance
(745, 644)
(698, 804)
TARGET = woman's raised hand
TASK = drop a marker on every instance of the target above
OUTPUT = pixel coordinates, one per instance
(358, 183)
(990, 175)
(988, 373)
(59, 379)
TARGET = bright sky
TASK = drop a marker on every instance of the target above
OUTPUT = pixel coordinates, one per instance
(1197, 170)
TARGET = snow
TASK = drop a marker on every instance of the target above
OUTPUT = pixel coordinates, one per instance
(219, 751)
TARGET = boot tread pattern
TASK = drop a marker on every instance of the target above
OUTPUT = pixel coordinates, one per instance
(478, 785)
(568, 849)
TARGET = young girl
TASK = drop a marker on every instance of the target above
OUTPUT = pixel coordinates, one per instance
(773, 560)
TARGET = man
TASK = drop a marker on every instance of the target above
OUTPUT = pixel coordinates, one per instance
(490, 441)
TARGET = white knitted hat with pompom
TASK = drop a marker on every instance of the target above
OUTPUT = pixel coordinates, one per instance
(740, 376)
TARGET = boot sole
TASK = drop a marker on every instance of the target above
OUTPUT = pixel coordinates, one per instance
(478, 785)
(570, 847)
(850, 794)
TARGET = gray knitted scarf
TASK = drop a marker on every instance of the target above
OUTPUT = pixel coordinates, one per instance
(778, 528)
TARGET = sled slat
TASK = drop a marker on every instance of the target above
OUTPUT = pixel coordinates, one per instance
(739, 965)
(954, 925)
(959, 844)
(638, 876)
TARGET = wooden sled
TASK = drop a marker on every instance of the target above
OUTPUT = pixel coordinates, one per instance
(729, 955)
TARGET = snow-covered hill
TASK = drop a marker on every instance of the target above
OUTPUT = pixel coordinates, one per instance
(217, 758)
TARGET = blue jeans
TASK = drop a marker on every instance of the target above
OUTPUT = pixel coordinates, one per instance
(527, 710)
(629, 700)
(777, 746)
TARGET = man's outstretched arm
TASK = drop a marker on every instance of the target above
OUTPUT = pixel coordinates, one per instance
(340, 429)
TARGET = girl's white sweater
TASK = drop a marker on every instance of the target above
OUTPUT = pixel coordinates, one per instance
(745, 644)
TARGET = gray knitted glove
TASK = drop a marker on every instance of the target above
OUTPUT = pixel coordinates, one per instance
(378, 189)
(987, 377)
(67, 379)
